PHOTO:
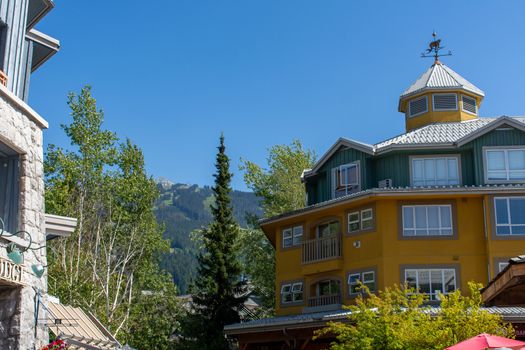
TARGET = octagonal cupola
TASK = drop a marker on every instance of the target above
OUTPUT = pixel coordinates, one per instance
(440, 95)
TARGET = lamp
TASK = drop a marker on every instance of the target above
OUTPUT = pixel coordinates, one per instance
(38, 270)
(14, 254)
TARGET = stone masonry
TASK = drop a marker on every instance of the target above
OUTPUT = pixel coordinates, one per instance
(21, 130)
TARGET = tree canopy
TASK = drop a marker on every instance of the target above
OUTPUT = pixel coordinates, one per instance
(398, 319)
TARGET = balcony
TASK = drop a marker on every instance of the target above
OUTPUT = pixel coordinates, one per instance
(320, 249)
(3, 78)
(323, 303)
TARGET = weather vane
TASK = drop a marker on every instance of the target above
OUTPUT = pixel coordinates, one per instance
(433, 49)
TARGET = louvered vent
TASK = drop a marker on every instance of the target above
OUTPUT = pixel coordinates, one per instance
(418, 106)
(445, 102)
(469, 104)
(385, 183)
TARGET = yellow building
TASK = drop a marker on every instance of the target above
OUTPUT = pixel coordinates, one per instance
(436, 207)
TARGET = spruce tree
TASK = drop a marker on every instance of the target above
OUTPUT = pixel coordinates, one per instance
(218, 291)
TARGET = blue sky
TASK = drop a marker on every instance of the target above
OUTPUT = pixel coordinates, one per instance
(171, 75)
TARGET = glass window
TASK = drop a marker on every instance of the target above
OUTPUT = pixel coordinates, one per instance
(287, 238)
(345, 179)
(286, 293)
(297, 291)
(292, 236)
(9, 189)
(353, 221)
(431, 281)
(366, 219)
(297, 235)
(367, 278)
(510, 215)
(436, 171)
(427, 220)
(505, 165)
(328, 229)
(292, 292)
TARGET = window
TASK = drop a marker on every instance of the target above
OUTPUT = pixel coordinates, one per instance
(505, 165)
(445, 102)
(9, 188)
(431, 281)
(435, 171)
(510, 216)
(292, 236)
(367, 278)
(292, 293)
(469, 105)
(345, 179)
(417, 106)
(328, 287)
(427, 220)
(328, 229)
(360, 220)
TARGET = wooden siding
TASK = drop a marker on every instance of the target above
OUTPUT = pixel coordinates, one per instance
(512, 137)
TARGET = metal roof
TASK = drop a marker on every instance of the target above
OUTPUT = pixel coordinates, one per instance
(482, 189)
(439, 76)
(508, 313)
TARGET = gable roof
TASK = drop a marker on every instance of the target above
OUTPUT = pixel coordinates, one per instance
(439, 76)
(438, 135)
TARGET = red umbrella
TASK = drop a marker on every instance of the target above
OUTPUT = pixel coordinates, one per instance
(486, 341)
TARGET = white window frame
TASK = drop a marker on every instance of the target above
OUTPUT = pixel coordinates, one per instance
(297, 289)
(463, 103)
(358, 221)
(505, 150)
(444, 109)
(440, 228)
(431, 296)
(371, 218)
(339, 186)
(353, 283)
(293, 235)
(286, 289)
(455, 157)
(510, 225)
(410, 115)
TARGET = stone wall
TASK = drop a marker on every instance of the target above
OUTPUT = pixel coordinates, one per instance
(20, 131)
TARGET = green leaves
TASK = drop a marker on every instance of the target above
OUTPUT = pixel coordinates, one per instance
(397, 318)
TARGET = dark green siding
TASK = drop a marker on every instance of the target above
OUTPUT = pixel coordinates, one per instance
(512, 137)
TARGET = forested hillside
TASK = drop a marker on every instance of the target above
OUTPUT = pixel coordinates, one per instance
(183, 208)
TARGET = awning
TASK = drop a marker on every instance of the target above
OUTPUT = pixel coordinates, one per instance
(79, 329)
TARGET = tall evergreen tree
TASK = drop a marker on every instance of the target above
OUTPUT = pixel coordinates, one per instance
(218, 291)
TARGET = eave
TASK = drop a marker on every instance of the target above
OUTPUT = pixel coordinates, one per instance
(37, 9)
(59, 226)
(44, 47)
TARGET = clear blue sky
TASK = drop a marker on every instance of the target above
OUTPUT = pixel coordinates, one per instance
(171, 75)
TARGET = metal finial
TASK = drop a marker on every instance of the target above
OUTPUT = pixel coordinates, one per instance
(434, 47)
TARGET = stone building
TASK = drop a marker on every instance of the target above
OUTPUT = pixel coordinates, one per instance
(23, 276)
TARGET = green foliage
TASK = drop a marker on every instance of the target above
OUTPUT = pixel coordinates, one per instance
(218, 292)
(398, 319)
(113, 255)
(183, 209)
(279, 186)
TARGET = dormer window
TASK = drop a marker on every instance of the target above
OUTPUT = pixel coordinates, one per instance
(417, 106)
(444, 102)
(345, 179)
(469, 105)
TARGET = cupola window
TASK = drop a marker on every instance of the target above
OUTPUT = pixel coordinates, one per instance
(445, 102)
(418, 106)
(469, 104)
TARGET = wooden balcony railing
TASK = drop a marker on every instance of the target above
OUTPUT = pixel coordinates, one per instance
(321, 249)
(324, 300)
(3, 78)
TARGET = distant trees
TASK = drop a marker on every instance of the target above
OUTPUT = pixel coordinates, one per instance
(280, 188)
(109, 265)
(397, 319)
(218, 291)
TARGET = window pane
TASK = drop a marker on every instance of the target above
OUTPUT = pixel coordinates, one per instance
(297, 287)
(368, 277)
(424, 281)
(501, 211)
(409, 232)
(285, 288)
(517, 210)
(436, 282)
(298, 296)
(408, 215)
(449, 280)
(353, 278)
(417, 169)
(429, 169)
(516, 159)
(441, 170)
(411, 279)
(352, 175)
(446, 216)
(497, 175)
(421, 217)
(503, 230)
(518, 230)
(496, 160)
(453, 171)
(366, 214)
(433, 216)
(353, 217)
(517, 175)
(287, 233)
(287, 242)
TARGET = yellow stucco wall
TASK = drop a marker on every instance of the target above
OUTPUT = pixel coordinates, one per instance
(473, 250)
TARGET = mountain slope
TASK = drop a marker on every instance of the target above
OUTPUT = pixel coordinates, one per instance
(183, 208)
